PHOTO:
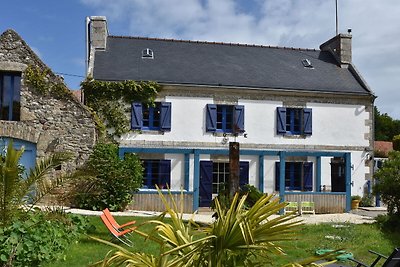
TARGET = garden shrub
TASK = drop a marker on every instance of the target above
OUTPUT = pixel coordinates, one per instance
(388, 183)
(107, 181)
(252, 192)
(39, 237)
(367, 201)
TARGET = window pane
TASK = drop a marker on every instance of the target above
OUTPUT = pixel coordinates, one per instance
(6, 98)
(297, 121)
(229, 118)
(225, 118)
(220, 176)
(156, 116)
(293, 175)
(10, 87)
(16, 98)
(294, 120)
(220, 117)
(146, 114)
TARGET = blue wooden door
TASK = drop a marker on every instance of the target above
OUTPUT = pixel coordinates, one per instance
(28, 158)
(205, 190)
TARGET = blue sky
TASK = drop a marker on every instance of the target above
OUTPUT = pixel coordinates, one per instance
(55, 30)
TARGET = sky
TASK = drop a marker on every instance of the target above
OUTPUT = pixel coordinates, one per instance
(55, 30)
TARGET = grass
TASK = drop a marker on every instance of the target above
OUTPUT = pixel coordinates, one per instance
(357, 239)
(88, 251)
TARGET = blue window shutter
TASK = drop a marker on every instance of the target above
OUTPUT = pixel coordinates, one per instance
(277, 175)
(165, 173)
(238, 119)
(211, 118)
(165, 116)
(307, 121)
(137, 116)
(308, 176)
(205, 192)
(281, 120)
(244, 173)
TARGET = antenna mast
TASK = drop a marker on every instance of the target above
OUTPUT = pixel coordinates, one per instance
(337, 20)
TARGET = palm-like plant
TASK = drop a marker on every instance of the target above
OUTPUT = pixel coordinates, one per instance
(238, 237)
(15, 189)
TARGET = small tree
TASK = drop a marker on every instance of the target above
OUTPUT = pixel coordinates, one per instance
(107, 181)
(388, 183)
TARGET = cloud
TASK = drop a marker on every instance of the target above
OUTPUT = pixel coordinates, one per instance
(294, 23)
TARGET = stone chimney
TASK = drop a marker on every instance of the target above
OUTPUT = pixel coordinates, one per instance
(340, 47)
(96, 39)
(98, 32)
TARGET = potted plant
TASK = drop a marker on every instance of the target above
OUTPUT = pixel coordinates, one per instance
(355, 201)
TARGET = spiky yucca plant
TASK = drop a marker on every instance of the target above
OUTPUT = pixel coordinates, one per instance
(15, 188)
(238, 237)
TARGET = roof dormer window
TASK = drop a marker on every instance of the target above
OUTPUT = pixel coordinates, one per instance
(147, 53)
(307, 63)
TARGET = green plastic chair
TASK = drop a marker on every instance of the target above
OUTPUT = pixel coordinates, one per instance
(307, 207)
(291, 206)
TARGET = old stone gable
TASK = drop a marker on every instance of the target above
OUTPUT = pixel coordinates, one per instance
(48, 122)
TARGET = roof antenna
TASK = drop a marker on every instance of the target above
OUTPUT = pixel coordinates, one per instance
(337, 20)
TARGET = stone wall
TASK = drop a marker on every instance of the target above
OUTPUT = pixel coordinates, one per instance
(52, 123)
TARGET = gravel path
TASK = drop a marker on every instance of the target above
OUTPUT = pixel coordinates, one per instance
(206, 217)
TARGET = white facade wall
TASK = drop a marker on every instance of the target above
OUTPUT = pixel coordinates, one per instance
(336, 128)
(333, 124)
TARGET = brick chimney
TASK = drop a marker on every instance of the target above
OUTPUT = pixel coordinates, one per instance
(98, 32)
(340, 47)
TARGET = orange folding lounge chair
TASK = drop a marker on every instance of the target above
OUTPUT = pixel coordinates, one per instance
(120, 235)
(114, 223)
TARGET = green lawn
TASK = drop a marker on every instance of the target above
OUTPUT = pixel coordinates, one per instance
(357, 239)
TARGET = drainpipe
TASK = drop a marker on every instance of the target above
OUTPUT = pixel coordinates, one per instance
(349, 183)
(282, 166)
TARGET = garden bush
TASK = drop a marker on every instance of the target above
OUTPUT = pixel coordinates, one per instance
(39, 237)
(253, 195)
(107, 181)
(388, 183)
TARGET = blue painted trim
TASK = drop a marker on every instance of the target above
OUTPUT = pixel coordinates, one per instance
(348, 181)
(261, 173)
(282, 167)
(187, 170)
(173, 192)
(318, 175)
(123, 150)
(315, 154)
(196, 181)
(313, 193)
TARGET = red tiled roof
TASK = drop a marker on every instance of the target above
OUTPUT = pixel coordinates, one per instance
(77, 94)
(383, 147)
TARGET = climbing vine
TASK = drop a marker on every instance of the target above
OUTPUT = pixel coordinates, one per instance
(112, 100)
(41, 80)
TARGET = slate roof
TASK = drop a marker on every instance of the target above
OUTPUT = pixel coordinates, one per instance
(223, 64)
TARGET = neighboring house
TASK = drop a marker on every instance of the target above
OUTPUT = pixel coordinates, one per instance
(41, 122)
(381, 153)
(303, 117)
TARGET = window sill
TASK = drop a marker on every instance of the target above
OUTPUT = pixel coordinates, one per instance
(295, 136)
(222, 134)
(149, 132)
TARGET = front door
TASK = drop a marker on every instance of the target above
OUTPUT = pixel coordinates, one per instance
(338, 178)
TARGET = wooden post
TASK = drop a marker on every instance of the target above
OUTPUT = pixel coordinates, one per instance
(234, 169)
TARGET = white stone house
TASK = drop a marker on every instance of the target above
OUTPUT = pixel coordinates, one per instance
(303, 117)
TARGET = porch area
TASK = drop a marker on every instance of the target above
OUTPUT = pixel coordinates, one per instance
(325, 203)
